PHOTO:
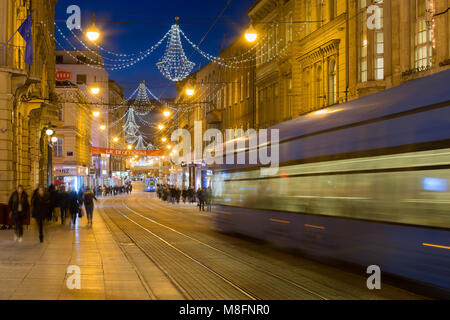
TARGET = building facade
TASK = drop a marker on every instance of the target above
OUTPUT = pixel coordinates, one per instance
(71, 151)
(311, 54)
(27, 96)
(84, 68)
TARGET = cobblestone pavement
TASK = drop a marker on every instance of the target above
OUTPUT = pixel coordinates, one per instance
(142, 248)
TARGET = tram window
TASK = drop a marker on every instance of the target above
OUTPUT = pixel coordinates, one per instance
(434, 184)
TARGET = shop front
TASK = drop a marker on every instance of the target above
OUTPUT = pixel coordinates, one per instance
(72, 176)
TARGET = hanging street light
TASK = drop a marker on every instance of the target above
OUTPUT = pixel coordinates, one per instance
(96, 114)
(167, 113)
(164, 139)
(251, 35)
(102, 127)
(93, 33)
(130, 147)
(190, 91)
(116, 139)
(161, 127)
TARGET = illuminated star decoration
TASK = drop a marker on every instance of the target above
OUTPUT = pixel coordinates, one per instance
(174, 65)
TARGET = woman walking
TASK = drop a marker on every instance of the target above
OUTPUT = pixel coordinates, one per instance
(40, 204)
(18, 206)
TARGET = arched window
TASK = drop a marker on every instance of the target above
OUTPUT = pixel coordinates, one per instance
(332, 82)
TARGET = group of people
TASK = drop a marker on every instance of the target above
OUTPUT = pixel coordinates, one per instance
(49, 204)
(113, 191)
(174, 195)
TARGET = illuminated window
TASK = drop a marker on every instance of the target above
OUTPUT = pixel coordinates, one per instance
(423, 50)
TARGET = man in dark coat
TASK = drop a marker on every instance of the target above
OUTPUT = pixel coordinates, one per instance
(40, 204)
(74, 205)
(19, 207)
(88, 201)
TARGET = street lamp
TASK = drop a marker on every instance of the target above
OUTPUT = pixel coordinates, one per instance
(102, 127)
(190, 91)
(96, 114)
(49, 132)
(160, 127)
(164, 139)
(93, 33)
(116, 139)
(167, 113)
(54, 139)
(95, 89)
(130, 147)
(169, 147)
(251, 35)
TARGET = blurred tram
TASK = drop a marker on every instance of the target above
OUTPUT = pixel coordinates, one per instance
(149, 185)
(366, 182)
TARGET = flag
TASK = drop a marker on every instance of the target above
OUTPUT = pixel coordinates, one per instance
(25, 32)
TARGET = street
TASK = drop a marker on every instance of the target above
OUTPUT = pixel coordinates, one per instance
(204, 264)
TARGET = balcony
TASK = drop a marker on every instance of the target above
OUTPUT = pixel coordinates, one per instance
(13, 58)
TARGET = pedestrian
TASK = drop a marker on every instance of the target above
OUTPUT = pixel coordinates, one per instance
(88, 201)
(74, 206)
(63, 202)
(53, 209)
(19, 207)
(40, 204)
(209, 198)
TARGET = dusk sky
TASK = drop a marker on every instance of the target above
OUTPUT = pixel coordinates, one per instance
(132, 38)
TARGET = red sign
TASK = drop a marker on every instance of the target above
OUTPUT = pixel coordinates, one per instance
(62, 75)
(127, 153)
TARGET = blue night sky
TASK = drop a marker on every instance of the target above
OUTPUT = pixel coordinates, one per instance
(132, 38)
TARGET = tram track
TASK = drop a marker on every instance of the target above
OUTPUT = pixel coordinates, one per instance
(251, 265)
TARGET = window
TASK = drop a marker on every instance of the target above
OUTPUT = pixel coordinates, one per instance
(289, 22)
(59, 59)
(363, 43)
(371, 45)
(58, 148)
(82, 60)
(319, 17)
(242, 88)
(332, 9)
(81, 79)
(236, 91)
(423, 50)
(60, 114)
(308, 17)
(332, 82)
(318, 86)
(248, 84)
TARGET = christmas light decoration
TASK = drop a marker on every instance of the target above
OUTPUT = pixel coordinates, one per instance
(174, 65)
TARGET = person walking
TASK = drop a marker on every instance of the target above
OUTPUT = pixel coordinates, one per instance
(88, 201)
(63, 201)
(40, 204)
(74, 206)
(19, 207)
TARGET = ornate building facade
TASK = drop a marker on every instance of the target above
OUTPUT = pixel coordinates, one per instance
(27, 96)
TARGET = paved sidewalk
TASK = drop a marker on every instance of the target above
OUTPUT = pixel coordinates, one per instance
(30, 270)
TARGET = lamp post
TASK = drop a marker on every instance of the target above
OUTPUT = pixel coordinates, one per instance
(46, 146)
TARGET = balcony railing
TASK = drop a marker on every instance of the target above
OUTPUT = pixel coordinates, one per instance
(12, 57)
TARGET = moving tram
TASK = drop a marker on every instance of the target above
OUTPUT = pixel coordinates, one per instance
(149, 185)
(365, 182)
